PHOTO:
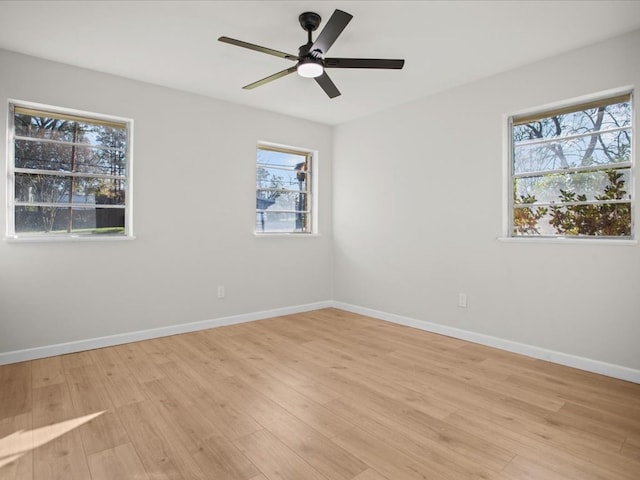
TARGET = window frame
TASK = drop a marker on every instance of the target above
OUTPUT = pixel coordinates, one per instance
(546, 111)
(91, 117)
(311, 191)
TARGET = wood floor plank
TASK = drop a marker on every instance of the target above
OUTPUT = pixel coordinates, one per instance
(371, 380)
(615, 418)
(370, 474)
(188, 348)
(219, 415)
(47, 371)
(604, 435)
(63, 456)
(16, 455)
(122, 388)
(156, 428)
(592, 392)
(158, 350)
(231, 462)
(391, 462)
(248, 400)
(89, 394)
(274, 459)
(76, 360)
(288, 398)
(500, 387)
(117, 463)
(139, 362)
(215, 455)
(262, 350)
(316, 449)
(525, 469)
(461, 393)
(15, 394)
(631, 450)
(162, 458)
(526, 445)
(447, 451)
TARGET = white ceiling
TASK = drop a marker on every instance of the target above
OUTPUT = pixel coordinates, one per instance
(174, 44)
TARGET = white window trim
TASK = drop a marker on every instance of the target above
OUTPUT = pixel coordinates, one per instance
(507, 187)
(313, 193)
(10, 235)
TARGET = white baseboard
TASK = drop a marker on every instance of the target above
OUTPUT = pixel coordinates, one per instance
(121, 338)
(581, 363)
(595, 366)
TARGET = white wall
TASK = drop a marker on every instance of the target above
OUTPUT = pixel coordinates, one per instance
(194, 200)
(418, 195)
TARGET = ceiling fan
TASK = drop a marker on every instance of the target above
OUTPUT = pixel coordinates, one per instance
(311, 61)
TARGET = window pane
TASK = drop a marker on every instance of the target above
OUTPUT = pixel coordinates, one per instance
(597, 149)
(603, 118)
(43, 127)
(281, 200)
(56, 220)
(67, 158)
(42, 188)
(281, 222)
(288, 179)
(61, 129)
(57, 189)
(279, 158)
(584, 186)
(105, 191)
(610, 220)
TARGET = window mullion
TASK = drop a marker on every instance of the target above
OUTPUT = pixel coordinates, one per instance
(56, 173)
(562, 204)
(590, 168)
(67, 205)
(72, 144)
(591, 133)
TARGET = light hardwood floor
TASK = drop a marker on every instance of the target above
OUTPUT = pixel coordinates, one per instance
(325, 395)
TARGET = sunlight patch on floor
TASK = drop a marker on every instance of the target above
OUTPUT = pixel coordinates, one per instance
(18, 443)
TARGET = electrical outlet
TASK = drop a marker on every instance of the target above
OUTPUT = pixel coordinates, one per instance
(221, 291)
(462, 300)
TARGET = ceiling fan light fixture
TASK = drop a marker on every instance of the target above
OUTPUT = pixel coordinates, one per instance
(310, 68)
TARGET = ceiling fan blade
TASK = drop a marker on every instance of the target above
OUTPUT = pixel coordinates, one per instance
(270, 78)
(327, 85)
(258, 48)
(331, 31)
(385, 63)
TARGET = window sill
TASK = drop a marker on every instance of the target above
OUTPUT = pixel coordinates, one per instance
(287, 235)
(571, 241)
(71, 238)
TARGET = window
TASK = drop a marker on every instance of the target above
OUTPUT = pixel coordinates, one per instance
(571, 171)
(69, 174)
(283, 190)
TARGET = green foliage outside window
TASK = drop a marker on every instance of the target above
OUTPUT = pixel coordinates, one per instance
(603, 219)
